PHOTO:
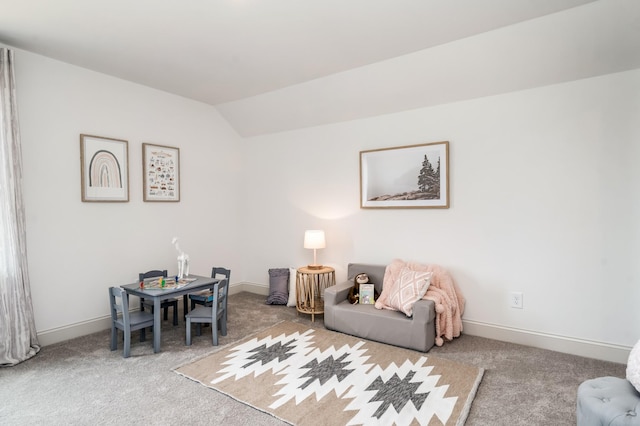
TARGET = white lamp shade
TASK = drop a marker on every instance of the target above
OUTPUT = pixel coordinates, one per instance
(314, 239)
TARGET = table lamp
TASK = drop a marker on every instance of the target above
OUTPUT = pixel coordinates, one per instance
(314, 239)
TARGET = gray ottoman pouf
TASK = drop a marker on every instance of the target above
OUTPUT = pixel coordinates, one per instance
(608, 401)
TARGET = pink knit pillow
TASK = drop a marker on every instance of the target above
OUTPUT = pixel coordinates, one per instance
(410, 287)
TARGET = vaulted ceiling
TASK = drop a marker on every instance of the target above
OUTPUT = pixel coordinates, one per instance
(259, 61)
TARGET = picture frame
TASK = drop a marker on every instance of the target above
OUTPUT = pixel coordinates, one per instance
(160, 172)
(104, 169)
(412, 176)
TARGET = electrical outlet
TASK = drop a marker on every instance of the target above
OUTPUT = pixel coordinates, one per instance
(515, 299)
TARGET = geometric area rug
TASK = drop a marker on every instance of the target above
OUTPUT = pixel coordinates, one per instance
(308, 376)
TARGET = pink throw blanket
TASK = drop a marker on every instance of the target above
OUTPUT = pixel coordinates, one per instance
(443, 291)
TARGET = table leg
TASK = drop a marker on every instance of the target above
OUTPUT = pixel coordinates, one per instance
(157, 324)
(185, 307)
(313, 301)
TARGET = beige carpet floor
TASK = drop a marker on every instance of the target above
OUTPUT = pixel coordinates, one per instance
(81, 382)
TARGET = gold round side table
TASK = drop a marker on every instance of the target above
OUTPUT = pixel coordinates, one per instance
(310, 285)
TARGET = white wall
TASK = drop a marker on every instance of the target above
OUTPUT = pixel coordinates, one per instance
(544, 200)
(76, 250)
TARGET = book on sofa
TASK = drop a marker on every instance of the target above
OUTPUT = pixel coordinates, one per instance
(366, 294)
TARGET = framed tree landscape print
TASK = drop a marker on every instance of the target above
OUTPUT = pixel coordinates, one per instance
(104, 168)
(414, 176)
(161, 172)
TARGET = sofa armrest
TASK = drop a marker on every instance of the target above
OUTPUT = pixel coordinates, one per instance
(337, 293)
(424, 311)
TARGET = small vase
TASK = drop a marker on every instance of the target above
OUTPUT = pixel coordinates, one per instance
(183, 266)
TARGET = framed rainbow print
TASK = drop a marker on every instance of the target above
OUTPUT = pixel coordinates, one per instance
(104, 168)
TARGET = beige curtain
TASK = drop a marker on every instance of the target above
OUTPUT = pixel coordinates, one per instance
(18, 339)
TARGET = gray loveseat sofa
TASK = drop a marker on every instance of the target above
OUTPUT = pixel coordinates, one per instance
(395, 328)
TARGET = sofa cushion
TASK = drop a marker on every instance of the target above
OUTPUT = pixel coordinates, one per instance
(375, 273)
(390, 327)
(410, 287)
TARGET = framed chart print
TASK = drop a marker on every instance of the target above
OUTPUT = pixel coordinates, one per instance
(415, 176)
(104, 168)
(161, 172)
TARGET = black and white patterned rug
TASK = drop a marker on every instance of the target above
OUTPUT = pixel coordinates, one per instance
(309, 376)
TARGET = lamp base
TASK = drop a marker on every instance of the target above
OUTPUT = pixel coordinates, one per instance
(315, 267)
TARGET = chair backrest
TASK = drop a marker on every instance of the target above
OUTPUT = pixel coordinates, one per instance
(119, 304)
(220, 272)
(152, 274)
(221, 289)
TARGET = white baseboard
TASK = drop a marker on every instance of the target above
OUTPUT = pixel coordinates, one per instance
(569, 345)
(250, 288)
(564, 344)
(60, 334)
